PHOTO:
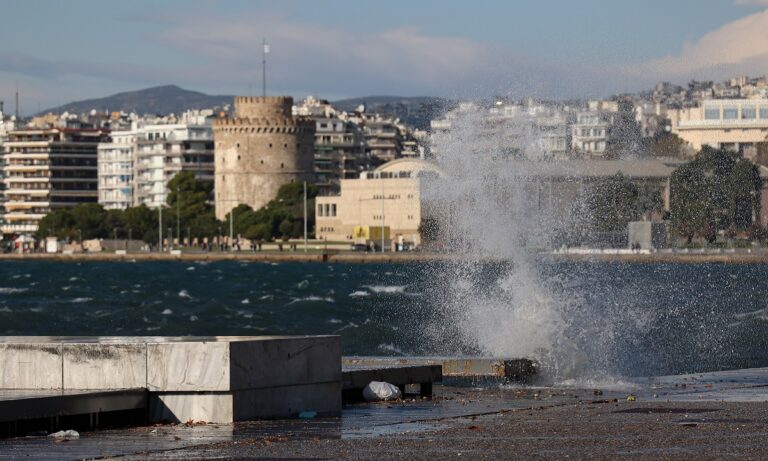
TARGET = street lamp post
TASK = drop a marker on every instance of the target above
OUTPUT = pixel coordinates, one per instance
(160, 228)
(178, 216)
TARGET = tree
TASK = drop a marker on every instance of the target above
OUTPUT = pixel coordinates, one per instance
(690, 208)
(190, 197)
(714, 192)
(58, 223)
(666, 145)
(612, 202)
(89, 219)
(285, 228)
(142, 223)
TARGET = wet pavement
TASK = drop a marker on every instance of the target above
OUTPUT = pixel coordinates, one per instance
(710, 415)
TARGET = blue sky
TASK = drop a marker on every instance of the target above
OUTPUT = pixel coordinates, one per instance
(554, 49)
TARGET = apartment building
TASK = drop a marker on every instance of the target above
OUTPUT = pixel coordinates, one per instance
(47, 169)
(734, 124)
(116, 169)
(162, 151)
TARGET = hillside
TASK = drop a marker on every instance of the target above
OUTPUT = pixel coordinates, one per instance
(157, 100)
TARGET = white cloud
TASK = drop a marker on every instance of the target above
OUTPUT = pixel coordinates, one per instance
(740, 46)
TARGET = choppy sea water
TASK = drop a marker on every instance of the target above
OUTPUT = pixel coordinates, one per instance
(630, 319)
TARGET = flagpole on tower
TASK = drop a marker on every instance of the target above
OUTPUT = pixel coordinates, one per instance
(264, 52)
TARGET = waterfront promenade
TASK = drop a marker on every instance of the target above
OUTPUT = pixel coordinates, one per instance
(701, 416)
(693, 256)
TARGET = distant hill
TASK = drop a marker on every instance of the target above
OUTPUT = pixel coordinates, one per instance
(158, 100)
(413, 111)
(163, 100)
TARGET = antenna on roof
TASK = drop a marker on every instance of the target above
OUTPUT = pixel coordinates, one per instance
(265, 51)
(17, 100)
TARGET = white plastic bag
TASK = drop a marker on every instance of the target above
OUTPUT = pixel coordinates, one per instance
(68, 435)
(378, 390)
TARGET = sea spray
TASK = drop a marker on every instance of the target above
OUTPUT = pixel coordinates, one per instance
(488, 212)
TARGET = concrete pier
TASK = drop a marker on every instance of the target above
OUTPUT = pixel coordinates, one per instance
(213, 379)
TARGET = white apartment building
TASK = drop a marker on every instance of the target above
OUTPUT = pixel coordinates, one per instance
(136, 165)
(164, 150)
(116, 169)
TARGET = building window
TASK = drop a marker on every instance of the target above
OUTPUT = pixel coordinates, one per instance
(748, 112)
(320, 210)
(712, 113)
(764, 112)
(730, 113)
(333, 209)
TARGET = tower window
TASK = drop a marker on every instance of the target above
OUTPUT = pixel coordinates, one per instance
(281, 165)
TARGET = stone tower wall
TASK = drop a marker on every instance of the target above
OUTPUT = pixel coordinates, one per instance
(259, 150)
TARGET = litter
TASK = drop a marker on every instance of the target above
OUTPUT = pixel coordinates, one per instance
(379, 390)
(70, 434)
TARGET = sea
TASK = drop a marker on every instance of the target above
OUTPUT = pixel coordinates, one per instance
(629, 319)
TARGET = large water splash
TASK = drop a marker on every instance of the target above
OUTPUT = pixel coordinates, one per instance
(489, 212)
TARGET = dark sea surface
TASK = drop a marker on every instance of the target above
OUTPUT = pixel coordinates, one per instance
(628, 319)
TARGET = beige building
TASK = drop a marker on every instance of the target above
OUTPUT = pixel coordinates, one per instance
(47, 169)
(389, 196)
(735, 124)
(262, 148)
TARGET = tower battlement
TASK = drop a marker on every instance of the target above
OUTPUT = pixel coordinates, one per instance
(255, 107)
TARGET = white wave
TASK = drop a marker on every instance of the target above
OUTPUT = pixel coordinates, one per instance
(347, 326)
(334, 321)
(185, 294)
(387, 289)
(81, 300)
(191, 268)
(66, 288)
(193, 318)
(245, 301)
(167, 311)
(359, 294)
(5, 309)
(267, 297)
(326, 299)
(303, 284)
(153, 328)
(389, 347)
(8, 290)
(73, 279)
(761, 314)
(36, 309)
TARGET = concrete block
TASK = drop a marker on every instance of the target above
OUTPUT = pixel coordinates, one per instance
(287, 401)
(188, 366)
(212, 407)
(30, 366)
(274, 362)
(104, 366)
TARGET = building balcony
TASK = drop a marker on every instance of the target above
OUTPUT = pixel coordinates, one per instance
(18, 228)
(24, 216)
(25, 205)
(724, 124)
